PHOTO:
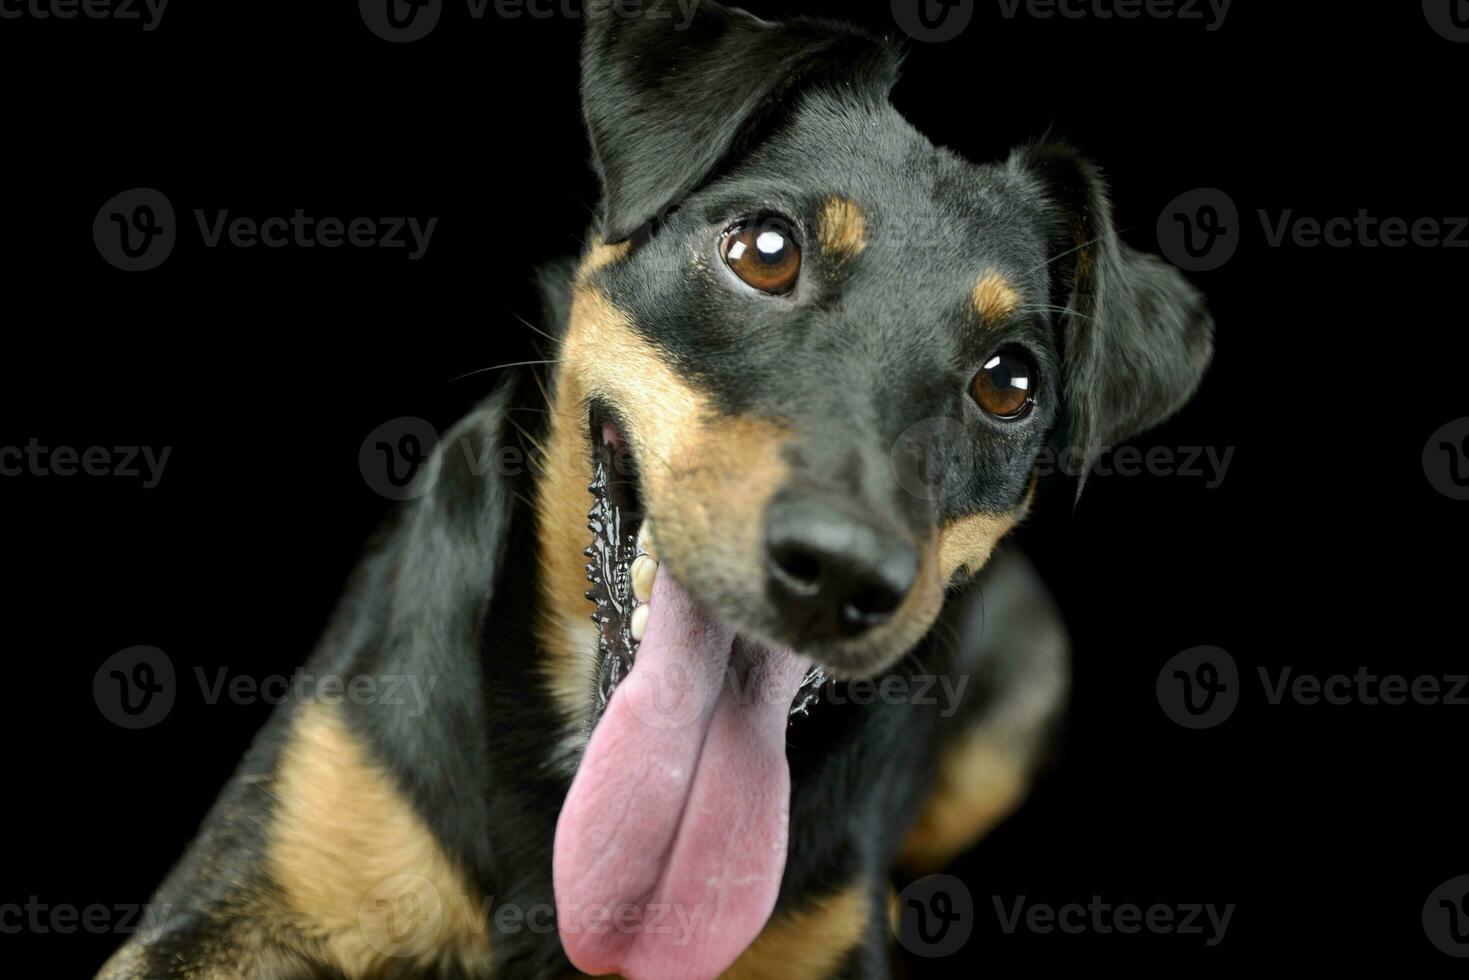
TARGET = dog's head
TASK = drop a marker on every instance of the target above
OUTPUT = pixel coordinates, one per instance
(812, 358)
(830, 350)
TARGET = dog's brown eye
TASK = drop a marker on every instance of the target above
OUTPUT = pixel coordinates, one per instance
(1005, 386)
(764, 254)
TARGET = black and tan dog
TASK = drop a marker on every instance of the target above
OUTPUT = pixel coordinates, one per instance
(806, 369)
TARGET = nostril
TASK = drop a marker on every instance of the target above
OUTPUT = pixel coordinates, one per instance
(874, 603)
(875, 598)
(833, 572)
(801, 567)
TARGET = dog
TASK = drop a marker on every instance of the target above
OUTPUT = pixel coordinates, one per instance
(805, 368)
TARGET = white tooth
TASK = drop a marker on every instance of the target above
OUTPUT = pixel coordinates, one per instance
(644, 571)
(645, 541)
(639, 624)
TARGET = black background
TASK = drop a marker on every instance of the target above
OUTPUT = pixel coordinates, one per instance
(1325, 548)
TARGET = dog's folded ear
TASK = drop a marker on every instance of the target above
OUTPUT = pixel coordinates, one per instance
(1136, 336)
(672, 91)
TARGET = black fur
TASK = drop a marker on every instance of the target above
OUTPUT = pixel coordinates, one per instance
(691, 132)
(665, 108)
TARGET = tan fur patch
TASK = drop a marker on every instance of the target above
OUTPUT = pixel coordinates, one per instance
(994, 298)
(978, 785)
(810, 942)
(966, 543)
(366, 883)
(842, 228)
(600, 255)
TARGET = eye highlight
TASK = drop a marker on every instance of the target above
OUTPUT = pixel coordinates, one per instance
(764, 253)
(1005, 385)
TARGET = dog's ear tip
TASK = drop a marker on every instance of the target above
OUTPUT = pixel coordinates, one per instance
(667, 104)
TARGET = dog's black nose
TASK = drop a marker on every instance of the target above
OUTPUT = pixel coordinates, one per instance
(831, 572)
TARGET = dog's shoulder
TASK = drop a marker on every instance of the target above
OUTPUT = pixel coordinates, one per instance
(353, 836)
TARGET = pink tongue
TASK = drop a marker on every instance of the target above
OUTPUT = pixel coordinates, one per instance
(672, 841)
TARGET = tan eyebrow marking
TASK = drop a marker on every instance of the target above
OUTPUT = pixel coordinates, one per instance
(842, 228)
(994, 298)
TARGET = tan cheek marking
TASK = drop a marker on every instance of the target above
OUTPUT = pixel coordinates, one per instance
(967, 543)
(842, 228)
(348, 851)
(602, 355)
(599, 255)
(810, 942)
(711, 498)
(994, 299)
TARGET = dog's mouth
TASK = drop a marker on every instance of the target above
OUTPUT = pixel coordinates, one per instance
(622, 568)
(616, 524)
(671, 843)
